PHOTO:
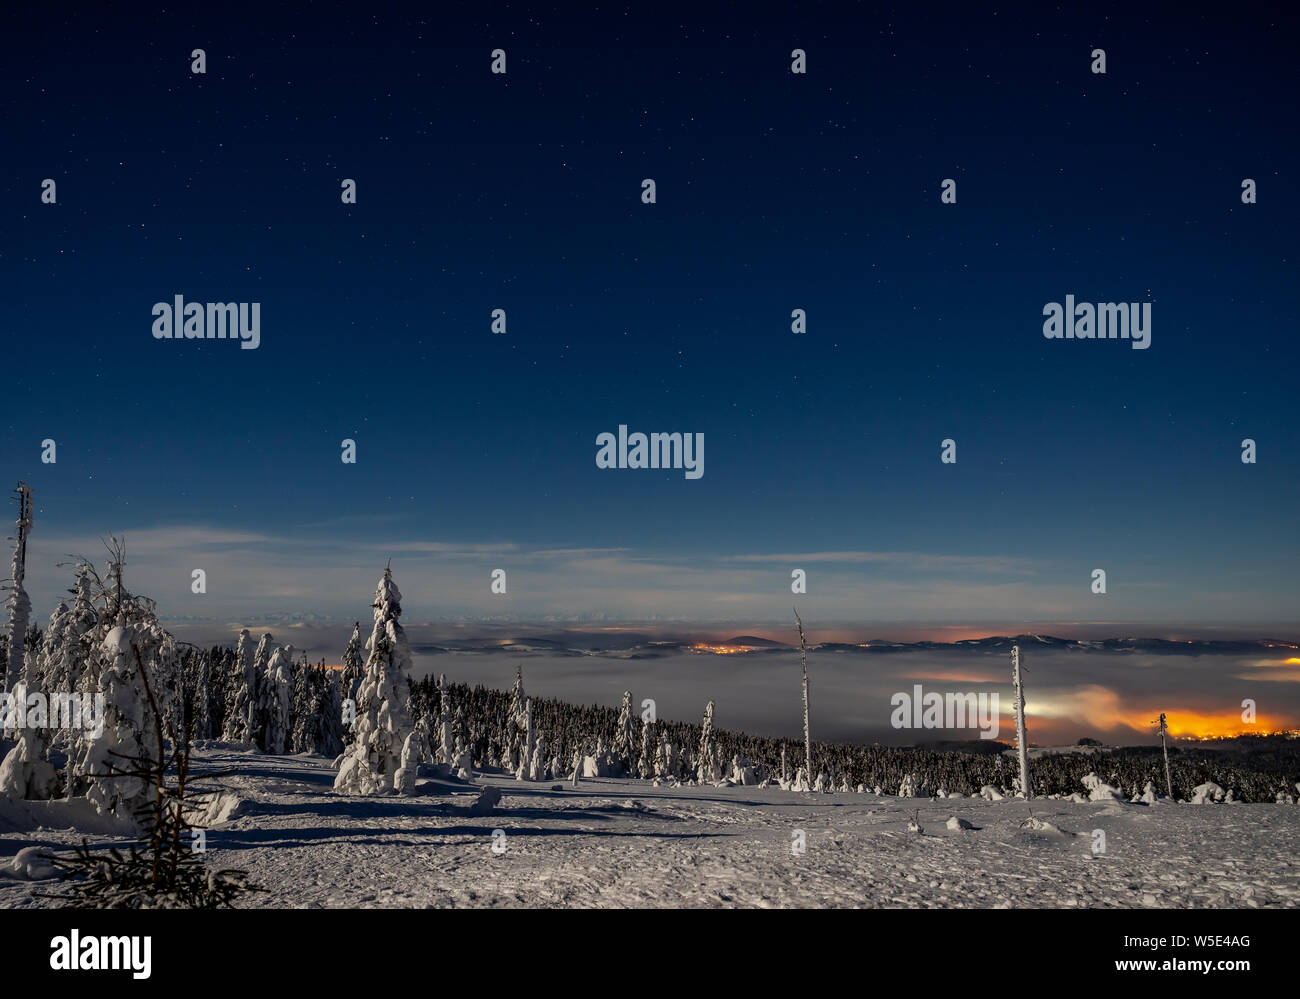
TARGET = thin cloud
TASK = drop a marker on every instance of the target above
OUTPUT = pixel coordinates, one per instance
(923, 561)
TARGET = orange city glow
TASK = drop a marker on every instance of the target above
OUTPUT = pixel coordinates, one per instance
(1200, 725)
(722, 650)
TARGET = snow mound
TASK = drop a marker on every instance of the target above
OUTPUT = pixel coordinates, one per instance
(29, 865)
(220, 806)
(1038, 825)
(957, 824)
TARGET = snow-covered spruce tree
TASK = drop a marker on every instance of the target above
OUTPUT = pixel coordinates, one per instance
(42, 669)
(197, 684)
(708, 771)
(160, 871)
(256, 724)
(383, 719)
(540, 769)
(446, 734)
(412, 753)
(625, 736)
(90, 667)
(305, 724)
(25, 772)
(275, 695)
(130, 728)
(61, 650)
(354, 669)
(20, 607)
(111, 672)
(518, 722)
(646, 764)
(241, 691)
(167, 676)
(327, 706)
(464, 761)
(525, 771)
(65, 660)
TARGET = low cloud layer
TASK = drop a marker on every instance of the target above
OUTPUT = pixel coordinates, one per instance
(323, 573)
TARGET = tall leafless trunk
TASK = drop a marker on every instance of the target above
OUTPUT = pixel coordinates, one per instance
(19, 604)
(807, 737)
(1022, 743)
(1169, 784)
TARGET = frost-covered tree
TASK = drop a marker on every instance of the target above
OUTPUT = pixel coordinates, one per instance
(412, 752)
(625, 735)
(65, 659)
(447, 737)
(667, 759)
(709, 768)
(20, 606)
(25, 772)
(305, 724)
(242, 692)
(525, 771)
(354, 671)
(383, 719)
(646, 763)
(196, 684)
(538, 769)
(161, 870)
(130, 729)
(354, 668)
(518, 721)
(327, 706)
(256, 723)
(42, 668)
(275, 696)
(125, 621)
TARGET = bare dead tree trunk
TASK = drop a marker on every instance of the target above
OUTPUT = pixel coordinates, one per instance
(1169, 784)
(1021, 739)
(527, 764)
(19, 605)
(807, 737)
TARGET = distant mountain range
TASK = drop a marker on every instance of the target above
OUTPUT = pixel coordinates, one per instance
(637, 647)
(1158, 646)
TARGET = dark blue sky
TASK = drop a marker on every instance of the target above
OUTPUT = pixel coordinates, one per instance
(775, 192)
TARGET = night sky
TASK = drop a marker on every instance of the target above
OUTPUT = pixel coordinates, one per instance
(775, 192)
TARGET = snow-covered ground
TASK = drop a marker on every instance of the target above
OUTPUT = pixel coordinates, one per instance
(616, 843)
